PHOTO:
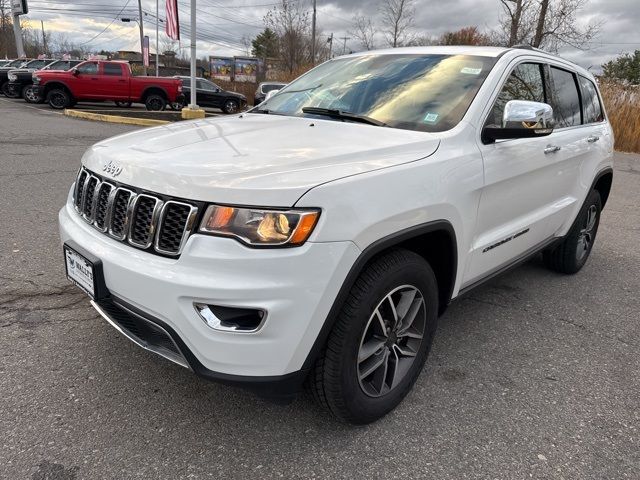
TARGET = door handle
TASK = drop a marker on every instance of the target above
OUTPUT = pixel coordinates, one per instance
(593, 139)
(552, 149)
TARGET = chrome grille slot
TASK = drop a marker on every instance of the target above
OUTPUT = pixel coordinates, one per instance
(88, 197)
(145, 220)
(119, 213)
(77, 194)
(176, 219)
(102, 206)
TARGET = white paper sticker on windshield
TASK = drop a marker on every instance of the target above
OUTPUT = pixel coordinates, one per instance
(431, 118)
(471, 71)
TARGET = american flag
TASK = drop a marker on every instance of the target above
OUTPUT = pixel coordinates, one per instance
(172, 23)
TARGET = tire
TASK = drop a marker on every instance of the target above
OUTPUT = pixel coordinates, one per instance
(339, 380)
(155, 103)
(59, 99)
(230, 107)
(571, 255)
(176, 106)
(8, 92)
(123, 104)
(29, 95)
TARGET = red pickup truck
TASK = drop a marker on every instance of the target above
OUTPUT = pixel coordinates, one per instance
(105, 80)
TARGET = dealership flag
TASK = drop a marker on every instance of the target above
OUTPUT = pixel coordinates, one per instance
(172, 23)
(145, 51)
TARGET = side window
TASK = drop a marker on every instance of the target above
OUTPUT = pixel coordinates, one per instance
(88, 69)
(592, 109)
(566, 105)
(526, 82)
(209, 87)
(113, 69)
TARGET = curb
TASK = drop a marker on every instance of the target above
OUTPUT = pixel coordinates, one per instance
(99, 117)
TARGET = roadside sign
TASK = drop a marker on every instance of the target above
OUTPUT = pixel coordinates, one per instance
(145, 51)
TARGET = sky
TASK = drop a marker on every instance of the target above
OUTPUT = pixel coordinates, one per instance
(225, 25)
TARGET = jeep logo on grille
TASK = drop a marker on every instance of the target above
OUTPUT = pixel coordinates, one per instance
(112, 169)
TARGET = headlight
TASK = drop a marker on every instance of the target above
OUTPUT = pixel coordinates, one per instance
(36, 79)
(12, 77)
(260, 227)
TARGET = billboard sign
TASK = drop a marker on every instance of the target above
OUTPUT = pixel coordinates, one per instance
(221, 68)
(246, 69)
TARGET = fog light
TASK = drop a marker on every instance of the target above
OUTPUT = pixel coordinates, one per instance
(231, 319)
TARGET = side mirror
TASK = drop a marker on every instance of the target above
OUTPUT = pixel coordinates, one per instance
(75, 72)
(270, 94)
(522, 119)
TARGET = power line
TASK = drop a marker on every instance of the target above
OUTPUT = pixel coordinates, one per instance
(105, 28)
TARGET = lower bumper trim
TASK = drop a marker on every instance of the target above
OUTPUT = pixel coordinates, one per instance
(154, 335)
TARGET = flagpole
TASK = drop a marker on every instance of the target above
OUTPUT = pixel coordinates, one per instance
(193, 105)
(157, 38)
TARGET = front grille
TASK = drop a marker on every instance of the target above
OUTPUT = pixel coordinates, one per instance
(145, 220)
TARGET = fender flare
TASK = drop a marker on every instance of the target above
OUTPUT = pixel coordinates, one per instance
(367, 254)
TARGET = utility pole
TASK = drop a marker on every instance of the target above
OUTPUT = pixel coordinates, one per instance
(44, 38)
(344, 46)
(313, 35)
(17, 32)
(140, 23)
(157, 39)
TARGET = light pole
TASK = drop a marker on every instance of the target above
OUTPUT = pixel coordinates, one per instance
(193, 105)
(139, 22)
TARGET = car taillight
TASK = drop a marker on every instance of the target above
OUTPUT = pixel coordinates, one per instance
(180, 88)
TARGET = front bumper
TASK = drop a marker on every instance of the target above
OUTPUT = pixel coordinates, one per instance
(295, 286)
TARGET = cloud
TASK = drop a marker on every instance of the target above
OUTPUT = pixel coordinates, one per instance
(224, 24)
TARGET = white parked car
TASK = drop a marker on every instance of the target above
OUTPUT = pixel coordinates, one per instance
(317, 238)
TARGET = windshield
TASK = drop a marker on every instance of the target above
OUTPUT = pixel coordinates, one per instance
(428, 93)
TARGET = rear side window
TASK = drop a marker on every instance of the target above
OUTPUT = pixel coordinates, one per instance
(526, 82)
(566, 105)
(592, 109)
(112, 69)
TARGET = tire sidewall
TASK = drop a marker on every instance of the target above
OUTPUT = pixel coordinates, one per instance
(154, 97)
(55, 92)
(592, 199)
(371, 408)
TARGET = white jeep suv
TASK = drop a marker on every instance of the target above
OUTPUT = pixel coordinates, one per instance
(317, 238)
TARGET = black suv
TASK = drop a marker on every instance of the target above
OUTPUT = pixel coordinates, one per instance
(208, 94)
(21, 80)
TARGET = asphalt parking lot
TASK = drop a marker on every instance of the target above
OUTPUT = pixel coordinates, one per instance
(535, 375)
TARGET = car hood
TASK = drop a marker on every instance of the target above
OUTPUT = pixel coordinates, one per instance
(253, 159)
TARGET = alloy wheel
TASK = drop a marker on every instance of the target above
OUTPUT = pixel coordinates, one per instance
(31, 96)
(231, 107)
(585, 238)
(391, 340)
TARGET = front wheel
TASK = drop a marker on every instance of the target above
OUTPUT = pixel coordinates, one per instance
(380, 341)
(230, 106)
(8, 91)
(571, 255)
(29, 95)
(59, 99)
(155, 103)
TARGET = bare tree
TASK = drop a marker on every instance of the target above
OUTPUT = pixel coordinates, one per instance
(397, 20)
(292, 26)
(547, 24)
(362, 30)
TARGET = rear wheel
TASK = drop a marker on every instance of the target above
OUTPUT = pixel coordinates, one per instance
(29, 95)
(230, 106)
(380, 340)
(571, 255)
(59, 99)
(155, 103)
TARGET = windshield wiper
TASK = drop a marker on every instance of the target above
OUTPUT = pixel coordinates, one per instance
(340, 114)
(260, 110)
